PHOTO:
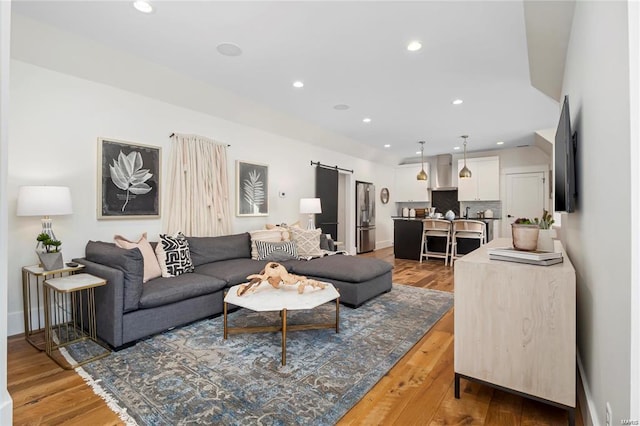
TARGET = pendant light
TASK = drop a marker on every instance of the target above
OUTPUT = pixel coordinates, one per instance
(422, 175)
(465, 172)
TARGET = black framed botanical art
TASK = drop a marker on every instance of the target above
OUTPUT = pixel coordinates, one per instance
(252, 189)
(128, 180)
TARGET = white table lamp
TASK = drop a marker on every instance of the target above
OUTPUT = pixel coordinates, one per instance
(310, 206)
(44, 201)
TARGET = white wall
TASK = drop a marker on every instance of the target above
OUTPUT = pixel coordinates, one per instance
(55, 122)
(597, 81)
(6, 405)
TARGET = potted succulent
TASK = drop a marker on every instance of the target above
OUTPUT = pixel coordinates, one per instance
(50, 255)
(533, 235)
(525, 234)
(545, 237)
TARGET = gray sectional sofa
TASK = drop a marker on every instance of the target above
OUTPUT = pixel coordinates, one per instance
(128, 309)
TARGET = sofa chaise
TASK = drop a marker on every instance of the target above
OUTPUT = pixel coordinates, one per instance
(128, 309)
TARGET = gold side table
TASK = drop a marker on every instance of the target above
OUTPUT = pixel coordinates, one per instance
(32, 279)
(70, 318)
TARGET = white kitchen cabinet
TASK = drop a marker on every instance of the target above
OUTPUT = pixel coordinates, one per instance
(407, 187)
(484, 183)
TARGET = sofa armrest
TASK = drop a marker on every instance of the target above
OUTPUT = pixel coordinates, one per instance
(109, 301)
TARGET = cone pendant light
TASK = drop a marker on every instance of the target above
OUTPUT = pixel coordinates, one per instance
(465, 172)
(422, 175)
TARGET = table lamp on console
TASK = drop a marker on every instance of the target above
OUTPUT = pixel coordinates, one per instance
(310, 206)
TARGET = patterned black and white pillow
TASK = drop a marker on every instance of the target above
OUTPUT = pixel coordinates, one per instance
(276, 252)
(174, 256)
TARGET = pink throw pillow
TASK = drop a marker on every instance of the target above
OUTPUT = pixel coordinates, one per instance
(151, 265)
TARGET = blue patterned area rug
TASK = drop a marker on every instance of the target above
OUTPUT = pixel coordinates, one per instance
(191, 375)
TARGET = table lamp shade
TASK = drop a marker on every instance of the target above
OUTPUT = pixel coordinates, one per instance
(310, 205)
(44, 201)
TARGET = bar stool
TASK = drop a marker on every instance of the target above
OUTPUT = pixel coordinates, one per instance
(435, 228)
(463, 228)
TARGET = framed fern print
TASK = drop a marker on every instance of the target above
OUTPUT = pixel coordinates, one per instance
(252, 189)
(128, 180)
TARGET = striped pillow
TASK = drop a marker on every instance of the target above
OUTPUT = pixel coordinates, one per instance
(276, 252)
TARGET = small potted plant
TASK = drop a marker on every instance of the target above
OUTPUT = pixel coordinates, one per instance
(545, 237)
(525, 234)
(50, 255)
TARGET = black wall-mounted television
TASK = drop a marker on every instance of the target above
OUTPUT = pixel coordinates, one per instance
(564, 166)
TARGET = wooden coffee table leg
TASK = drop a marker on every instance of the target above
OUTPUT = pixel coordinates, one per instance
(224, 309)
(284, 336)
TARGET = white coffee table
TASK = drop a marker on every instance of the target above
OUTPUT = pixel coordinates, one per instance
(266, 298)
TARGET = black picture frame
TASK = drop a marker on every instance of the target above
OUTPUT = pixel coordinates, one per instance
(128, 180)
(252, 181)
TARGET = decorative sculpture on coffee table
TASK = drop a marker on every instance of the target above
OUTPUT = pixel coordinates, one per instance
(276, 274)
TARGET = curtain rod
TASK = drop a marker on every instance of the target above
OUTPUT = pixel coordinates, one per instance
(173, 134)
(330, 167)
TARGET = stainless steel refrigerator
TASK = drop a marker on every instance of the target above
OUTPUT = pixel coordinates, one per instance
(365, 217)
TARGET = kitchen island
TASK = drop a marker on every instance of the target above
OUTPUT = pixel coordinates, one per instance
(407, 237)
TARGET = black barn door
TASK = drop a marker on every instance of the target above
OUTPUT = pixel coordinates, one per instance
(327, 191)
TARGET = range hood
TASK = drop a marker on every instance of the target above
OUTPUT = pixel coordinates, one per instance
(444, 173)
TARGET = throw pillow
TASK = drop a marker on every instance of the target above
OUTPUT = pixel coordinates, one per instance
(173, 255)
(271, 235)
(151, 266)
(276, 252)
(307, 241)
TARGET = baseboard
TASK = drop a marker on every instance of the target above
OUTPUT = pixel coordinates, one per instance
(383, 244)
(587, 406)
(6, 408)
(15, 322)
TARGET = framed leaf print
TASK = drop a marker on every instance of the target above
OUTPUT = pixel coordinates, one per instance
(252, 189)
(128, 180)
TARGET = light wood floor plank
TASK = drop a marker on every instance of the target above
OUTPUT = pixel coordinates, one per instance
(418, 390)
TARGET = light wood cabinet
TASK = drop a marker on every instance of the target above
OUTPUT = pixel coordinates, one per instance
(407, 187)
(484, 183)
(515, 325)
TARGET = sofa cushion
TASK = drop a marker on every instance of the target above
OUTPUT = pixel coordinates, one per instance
(276, 252)
(130, 262)
(339, 267)
(307, 241)
(150, 261)
(270, 235)
(232, 271)
(174, 256)
(162, 291)
(213, 249)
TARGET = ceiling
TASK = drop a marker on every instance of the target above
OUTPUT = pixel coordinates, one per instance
(351, 53)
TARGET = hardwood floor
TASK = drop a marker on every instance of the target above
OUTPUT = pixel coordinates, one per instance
(418, 390)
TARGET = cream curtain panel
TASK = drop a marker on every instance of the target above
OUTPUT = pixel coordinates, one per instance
(198, 196)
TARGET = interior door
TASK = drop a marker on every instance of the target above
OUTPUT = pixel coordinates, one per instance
(327, 191)
(525, 197)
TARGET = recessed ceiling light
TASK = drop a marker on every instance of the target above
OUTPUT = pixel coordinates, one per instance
(456, 148)
(143, 6)
(341, 107)
(298, 84)
(457, 102)
(229, 49)
(414, 46)
(500, 143)
(366, 120)
(387, 145)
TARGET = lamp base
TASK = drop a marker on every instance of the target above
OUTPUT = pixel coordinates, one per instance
(310, 224)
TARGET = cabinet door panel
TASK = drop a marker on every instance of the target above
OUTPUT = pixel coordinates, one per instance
(407, 187)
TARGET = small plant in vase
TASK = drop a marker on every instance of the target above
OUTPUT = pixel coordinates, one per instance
(525, 234)
(50, 257)
(545, 237)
